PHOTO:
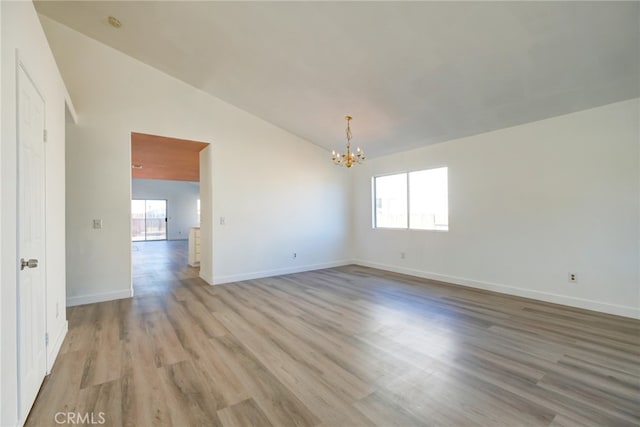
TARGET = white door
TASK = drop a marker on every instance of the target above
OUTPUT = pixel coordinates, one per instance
(31, 215)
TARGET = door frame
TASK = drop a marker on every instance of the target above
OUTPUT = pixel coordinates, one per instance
(20, 66)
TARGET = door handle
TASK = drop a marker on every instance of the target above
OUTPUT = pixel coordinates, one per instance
(32, 263)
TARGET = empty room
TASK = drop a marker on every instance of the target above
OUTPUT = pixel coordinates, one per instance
(392, 213)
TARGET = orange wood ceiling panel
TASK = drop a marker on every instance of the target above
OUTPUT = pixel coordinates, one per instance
(165, 158)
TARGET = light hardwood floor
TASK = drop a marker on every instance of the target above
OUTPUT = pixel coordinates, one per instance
(339, 347)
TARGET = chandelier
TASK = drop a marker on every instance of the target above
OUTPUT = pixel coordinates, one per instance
(349, 158)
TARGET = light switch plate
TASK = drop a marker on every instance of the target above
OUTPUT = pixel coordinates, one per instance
(97, 224)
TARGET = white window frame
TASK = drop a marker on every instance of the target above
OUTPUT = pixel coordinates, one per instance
(374, 214)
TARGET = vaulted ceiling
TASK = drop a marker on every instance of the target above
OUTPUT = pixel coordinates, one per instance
(410, 73)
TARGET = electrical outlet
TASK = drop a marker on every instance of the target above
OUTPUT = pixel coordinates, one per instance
(402, 255)
(573, 278)
(295, 255)
(97, 224)
(222, 220)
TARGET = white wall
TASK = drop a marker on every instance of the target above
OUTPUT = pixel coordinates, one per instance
(206, 214)
(528, 205)
(21, 30)
(1, 209)
(278, 193)
(182, 198)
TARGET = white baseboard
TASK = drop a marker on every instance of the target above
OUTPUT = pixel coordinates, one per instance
(55, 345)
(207, 279)
(619, 310)
(219, 280)
(101, 297)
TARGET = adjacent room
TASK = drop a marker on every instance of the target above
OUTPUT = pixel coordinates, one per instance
(320, 213)
(165, 210)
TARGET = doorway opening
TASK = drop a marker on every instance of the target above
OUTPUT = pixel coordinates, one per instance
(165, 196)
(148, 220)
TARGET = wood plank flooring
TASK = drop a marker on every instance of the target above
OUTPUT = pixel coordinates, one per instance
(348, 346)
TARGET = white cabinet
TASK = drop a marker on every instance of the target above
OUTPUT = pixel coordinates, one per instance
(194, 247)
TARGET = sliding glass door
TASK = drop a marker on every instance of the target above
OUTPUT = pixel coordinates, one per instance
(148, 220)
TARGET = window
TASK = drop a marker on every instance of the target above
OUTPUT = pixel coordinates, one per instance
(391, 201)
(428, 200)
(148, 220)
(415, 200)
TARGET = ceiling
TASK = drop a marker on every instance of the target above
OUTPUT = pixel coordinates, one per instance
(410, 73)
(159, 157)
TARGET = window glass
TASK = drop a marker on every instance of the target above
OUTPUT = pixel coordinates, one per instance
(428, 200)
(391, 201)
